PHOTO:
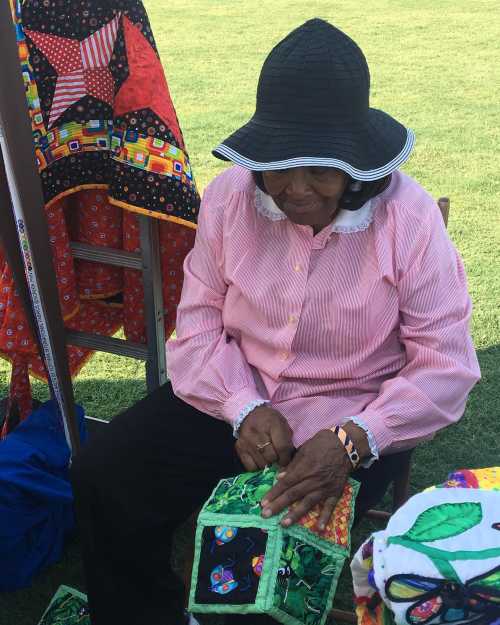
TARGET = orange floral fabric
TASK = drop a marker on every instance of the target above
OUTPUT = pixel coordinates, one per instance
(94, 297)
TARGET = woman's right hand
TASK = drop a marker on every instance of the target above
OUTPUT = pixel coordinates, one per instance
(264, 425)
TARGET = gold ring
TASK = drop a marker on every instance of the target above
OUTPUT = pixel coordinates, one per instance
(262, 445)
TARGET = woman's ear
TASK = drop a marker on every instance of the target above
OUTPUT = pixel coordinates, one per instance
(347, 199)
(357, 192)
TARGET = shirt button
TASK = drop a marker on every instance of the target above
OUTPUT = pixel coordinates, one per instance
(284, 355)
(297, 268)
(292, 319)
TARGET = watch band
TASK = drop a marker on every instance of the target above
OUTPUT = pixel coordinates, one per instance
(348, 445)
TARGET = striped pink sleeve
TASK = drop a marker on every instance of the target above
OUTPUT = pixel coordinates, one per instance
(207, 369)
(431, 390)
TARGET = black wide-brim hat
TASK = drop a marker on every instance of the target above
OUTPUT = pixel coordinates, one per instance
(313, 110)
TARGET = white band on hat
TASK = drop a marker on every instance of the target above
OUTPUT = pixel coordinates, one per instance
(312, 161)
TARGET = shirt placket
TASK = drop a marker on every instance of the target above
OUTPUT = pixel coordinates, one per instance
(298, 270)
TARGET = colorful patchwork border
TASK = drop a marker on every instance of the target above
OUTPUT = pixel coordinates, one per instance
(151, 154)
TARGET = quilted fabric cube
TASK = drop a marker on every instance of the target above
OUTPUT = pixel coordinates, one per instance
(67, 607)
(247, 564)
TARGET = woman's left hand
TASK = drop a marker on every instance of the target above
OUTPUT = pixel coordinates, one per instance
(317, 474)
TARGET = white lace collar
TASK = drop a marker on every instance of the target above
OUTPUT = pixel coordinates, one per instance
(345, 221)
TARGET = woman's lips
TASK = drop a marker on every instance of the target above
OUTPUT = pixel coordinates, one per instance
(300, 209)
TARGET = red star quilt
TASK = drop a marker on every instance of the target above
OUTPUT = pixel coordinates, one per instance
(106, 138)
(101, 108)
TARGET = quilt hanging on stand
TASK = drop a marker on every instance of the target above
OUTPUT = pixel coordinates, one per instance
(108, 146)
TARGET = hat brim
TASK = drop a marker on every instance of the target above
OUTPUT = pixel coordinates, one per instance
(368, 151)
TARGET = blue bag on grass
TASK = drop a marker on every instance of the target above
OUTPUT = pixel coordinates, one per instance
(36, 501)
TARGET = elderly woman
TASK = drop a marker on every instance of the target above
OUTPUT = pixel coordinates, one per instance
(323, 326)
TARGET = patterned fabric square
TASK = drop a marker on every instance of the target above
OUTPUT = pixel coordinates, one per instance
(337, 528)
(304, 581)
(229, 570)
(247, 564)
(241, 494)
(67, 607)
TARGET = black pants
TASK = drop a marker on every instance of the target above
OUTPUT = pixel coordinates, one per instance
(136, 482)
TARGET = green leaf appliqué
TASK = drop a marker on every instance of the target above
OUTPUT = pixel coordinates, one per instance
(445, 521)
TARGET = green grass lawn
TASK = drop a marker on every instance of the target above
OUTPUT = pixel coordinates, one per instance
(434, 66)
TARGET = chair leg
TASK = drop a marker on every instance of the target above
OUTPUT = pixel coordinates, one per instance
(401, 488)
(344, 616)
(378, 515)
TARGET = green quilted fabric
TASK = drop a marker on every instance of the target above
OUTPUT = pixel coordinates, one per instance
(247, 564)
(67, 607)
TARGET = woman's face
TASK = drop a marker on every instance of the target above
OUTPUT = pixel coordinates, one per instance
(307, 195)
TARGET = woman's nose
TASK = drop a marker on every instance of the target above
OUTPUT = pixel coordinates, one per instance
(298, 184)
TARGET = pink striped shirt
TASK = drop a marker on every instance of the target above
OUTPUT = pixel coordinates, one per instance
(367, 319)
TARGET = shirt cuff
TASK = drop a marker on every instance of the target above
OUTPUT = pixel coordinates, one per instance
(367, 462)
(244, 412)
(231, 408)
